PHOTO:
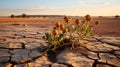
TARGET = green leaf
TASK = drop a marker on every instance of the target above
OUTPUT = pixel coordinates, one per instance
(60, 36)
(76, 28)
(48, 36)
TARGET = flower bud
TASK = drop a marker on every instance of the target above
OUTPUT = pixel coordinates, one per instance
(65, 30)
(88, 18)
(57, 25)
(55, 32)
(67, 19)
(62, 26)
(77, 21)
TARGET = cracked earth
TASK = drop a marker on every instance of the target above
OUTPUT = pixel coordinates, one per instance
(21, 45)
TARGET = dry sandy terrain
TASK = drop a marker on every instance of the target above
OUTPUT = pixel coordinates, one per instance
(106, 27)
(21, 44)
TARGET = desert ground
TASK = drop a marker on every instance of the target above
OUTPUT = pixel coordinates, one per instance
(21, 44)
(106, 27)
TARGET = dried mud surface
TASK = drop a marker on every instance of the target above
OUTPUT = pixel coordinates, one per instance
(21, 45)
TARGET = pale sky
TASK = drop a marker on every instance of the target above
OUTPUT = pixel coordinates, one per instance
(60, 7)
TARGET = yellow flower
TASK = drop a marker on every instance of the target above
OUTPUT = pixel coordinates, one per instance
(67, 19)
(88, 18)
(77, 21)
(55, 32)
(65, 30)
(62, 26)
(57, 25)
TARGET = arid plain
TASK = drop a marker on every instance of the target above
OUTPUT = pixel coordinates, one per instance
(22, 45)
(107, 26)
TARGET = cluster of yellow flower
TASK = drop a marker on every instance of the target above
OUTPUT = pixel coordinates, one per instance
(88, 18)
(59, 27)
(68, 20)
(77, 21)
(81, 28)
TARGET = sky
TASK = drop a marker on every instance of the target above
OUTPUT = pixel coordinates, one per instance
(60, 7)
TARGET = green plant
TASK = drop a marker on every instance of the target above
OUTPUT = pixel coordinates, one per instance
(69, 33)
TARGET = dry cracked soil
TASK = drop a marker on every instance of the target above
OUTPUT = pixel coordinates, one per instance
(21, 45)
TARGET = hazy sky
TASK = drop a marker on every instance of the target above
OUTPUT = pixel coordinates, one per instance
(60, 7)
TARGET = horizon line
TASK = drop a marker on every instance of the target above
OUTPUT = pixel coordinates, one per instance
(52, 15)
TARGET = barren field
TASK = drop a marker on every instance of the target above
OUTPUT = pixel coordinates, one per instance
(106, 27)
(21, 44)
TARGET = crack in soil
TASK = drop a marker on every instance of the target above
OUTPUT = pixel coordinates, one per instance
(99, 40)
(53, 54)
(95, 63)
